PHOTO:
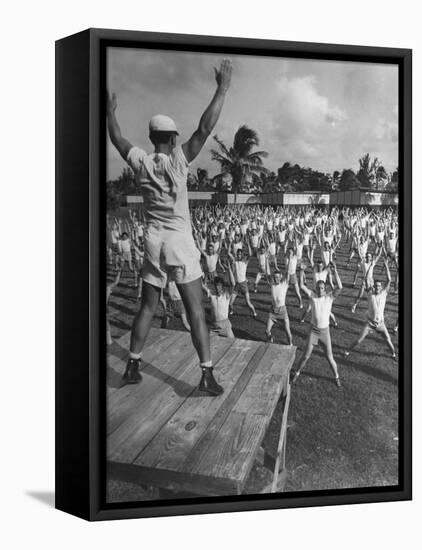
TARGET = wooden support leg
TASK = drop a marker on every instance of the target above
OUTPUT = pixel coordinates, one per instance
(280, 463)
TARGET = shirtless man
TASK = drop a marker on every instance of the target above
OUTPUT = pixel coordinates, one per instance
(321, 304)
(170, 250)
(377, 297)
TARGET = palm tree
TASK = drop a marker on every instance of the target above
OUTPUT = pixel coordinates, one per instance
(239, 160)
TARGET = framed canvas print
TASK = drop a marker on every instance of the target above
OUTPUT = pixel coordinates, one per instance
(233, 274)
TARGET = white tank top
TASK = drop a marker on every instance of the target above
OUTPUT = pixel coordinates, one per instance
(278, 294)
(211, 261)
(240, 271)
(321, 309)
(125, 245)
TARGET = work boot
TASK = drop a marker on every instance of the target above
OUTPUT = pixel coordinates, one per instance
(132, 374)
(208, 383)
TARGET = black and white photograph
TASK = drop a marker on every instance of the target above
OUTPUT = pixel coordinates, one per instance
(252, 266)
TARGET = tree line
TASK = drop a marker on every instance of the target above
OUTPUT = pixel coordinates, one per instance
(242, 170)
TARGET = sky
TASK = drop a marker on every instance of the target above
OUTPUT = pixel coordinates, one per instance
(321, 114)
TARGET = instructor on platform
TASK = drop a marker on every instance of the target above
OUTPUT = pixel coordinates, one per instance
(170, 250)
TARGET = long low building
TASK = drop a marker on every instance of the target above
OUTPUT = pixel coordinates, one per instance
(358, 197)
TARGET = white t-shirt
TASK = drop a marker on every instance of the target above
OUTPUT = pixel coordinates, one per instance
(125, 244)
(292, 265)
(211, 262)
(321, 309)
(278, 294)
(320, 276)
(162, 179)
(240, 271)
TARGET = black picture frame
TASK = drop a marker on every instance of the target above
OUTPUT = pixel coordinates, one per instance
(80, 285)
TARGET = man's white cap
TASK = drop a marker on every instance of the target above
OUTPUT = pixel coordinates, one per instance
(162, 123)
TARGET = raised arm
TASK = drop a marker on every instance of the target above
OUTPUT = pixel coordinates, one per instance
(119, 142)
(211, 114)
(387, 287)
(339, 288)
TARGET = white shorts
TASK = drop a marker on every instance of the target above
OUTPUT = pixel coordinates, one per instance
(171, 255)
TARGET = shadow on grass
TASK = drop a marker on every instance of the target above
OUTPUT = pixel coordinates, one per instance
(371, 371)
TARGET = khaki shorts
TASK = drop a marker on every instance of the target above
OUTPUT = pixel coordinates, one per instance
(373, 325)
(278, 314)
(222, 328)
(293, 279)
(318, 335)
(127, 256)
(169, 254)
(241, 288)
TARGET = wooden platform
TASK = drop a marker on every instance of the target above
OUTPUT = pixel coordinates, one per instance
(163, 433)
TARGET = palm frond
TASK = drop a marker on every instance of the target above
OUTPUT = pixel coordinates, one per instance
(222, 145)
(223, 160)
(262, 154)
(244, 140)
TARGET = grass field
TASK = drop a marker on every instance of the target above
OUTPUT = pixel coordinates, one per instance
(337, 438)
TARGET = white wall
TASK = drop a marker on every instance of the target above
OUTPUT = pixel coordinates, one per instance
(27, 400)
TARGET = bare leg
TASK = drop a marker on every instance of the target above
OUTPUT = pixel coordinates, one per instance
(270, 324)
(297, 291)
(305, 357)
(355, 278)
(288, 331)
(388, 340)
(257, 279)
(143, 320)
(330, 358)
(358, 298)
(232, 299)
(249, 304)
(366, 330)
(191, 294)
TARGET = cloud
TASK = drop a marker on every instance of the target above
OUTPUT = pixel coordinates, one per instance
(304, 119)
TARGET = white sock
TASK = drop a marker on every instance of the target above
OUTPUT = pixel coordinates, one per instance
(206, 364)
(135, 355)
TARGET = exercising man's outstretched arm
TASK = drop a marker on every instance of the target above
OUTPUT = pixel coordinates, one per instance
(119, 142)
(211, 114)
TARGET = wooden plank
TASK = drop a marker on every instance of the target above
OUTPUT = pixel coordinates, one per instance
(234, 448)
(119, 350)
(157, 372)
(144, 417)
(170, 480)
(267, 383)
(171, 446)
(204, 444)
(157, 343)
